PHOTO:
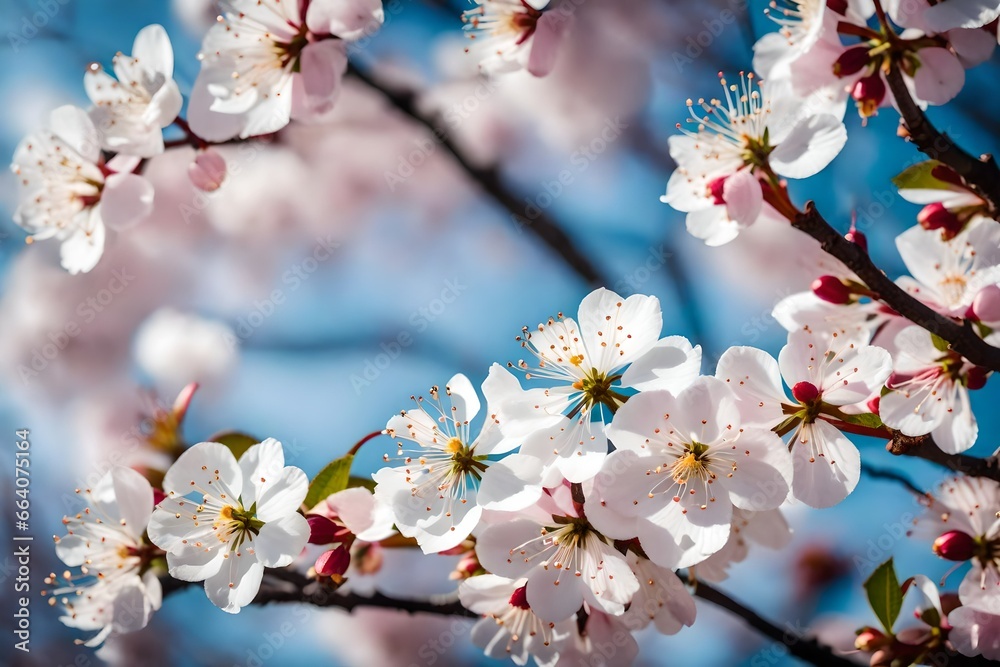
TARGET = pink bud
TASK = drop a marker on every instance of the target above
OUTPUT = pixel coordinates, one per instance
(715, 188)
(943, 172)
(936, 216)
(183, 401)
(975, 378)
(955, 545)
(158, 496)
(323, 531)
(831, 289)
(868, 92)
(839, 6)
(986, 305)
(333, 562)
(873, 404)
(869, 639)
(520, 598)
(851, 61)
(805, 392)
(208, 170)
(857, 237)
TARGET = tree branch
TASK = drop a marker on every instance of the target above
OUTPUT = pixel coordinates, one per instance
(543, 226)
(923, 447)
(960, 337)
(982, 174)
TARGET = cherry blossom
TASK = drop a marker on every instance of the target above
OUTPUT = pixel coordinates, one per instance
(438, 493)
(563, 558)
(683, 462)
(131, 111)
(511, 35)
(930, 391)
(754, 132)
(661, 599)
(223, 521)
(510, 629)
(835, 368)
(266, 63)
(768, 529)
(950, 205)
(68, 193)
(116, 591)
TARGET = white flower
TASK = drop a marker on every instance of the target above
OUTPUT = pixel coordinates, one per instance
(931, 392)
(509, 35)
(563, 559)
(719, 163)
(834, 368)
(131, 112)
(947, 275)
(768, 529)
(968, 505)
(584, 365)
(69, 194)
(943, 16)
(440, 491)
(510, 629)
(224, 521)
(681, 465)
(116, 591)
(264, 64)
(975, 631)
(661, 599)
(602, 640)
(178, 348)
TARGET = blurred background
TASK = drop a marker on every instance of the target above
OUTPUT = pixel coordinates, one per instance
(237, 290)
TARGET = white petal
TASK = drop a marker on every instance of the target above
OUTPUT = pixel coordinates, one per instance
(754, 379)
(617, 331)
(744, 197)
(126, 200)
(153, 52)
(81, 250)
(73, 126)
(499, 547)
(763, 475)
(260, 465)
(549, 32)
(811, 145)
(827, 465)
(712, 225)
(210, 125)
(280, 541)
(236, 583)
(487, 593)
(554, 594)
(958, 430)
(940, 76)
(199, 464)
(134, 498)
(347, 19)
(672, 364)
(511, 484)
(961, 14)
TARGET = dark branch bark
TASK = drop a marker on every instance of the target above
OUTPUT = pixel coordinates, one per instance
(542, 226)
(882, 473)
(982, 174)
(923, 447)
(960, 337)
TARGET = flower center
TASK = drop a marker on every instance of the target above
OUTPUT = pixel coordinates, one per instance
(236, 524)
(595, 389)
(693, 463)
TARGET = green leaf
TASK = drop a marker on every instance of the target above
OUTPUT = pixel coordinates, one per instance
(334, 477)
(868, 419)
(940, 343)
(238, 443)
(920, 177)
(885, 595)
(366, 482)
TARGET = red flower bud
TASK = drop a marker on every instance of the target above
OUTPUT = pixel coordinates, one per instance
(975, 378)
(936, 216)
(839, 6)
(955, 545)
(869, 639)
(986, 305)
(868, 92)
(323, 531)
(873, 404)
(519, 598)
(333, 562)
(805, 392)
(851, 61)
(858, 238)
(831, 289)
(158, 496)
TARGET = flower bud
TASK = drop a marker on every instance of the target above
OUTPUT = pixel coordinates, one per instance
(838, 6)
(805, 392)
(333, 562)
(873, 404)
(975, 378)
(322, 530)
(158, 496)
(936, 216)
(831, 289)
(868, 92)
(519, 598)
(858, 238)
(986, 305)
(955, 545)
(851, 61)
(208, 170)
(869, 639)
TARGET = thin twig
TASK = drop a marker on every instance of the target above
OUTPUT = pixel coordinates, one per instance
(893, 476)
(543, 226)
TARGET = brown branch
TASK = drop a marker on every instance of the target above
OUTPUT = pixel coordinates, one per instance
(981, 174)
(543, 226)
(961, 338)
(923, 447)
